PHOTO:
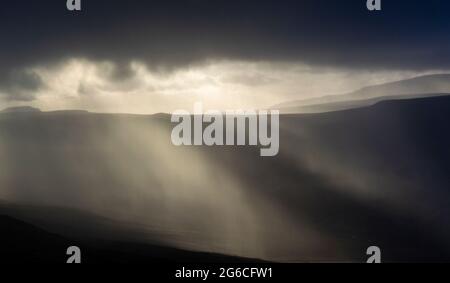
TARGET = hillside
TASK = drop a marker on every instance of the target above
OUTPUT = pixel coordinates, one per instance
(343, 181)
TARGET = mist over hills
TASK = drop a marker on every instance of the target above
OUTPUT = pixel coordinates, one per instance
(423, 86)
(343, 181)
(20, 109)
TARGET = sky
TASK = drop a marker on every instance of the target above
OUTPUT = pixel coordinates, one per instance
(158, 56)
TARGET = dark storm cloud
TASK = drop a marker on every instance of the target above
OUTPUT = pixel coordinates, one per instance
(20, 84)
(405, 35)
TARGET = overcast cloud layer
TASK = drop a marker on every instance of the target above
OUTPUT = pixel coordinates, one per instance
(407, 36)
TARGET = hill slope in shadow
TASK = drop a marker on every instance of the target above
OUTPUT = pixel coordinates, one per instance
(22, 242)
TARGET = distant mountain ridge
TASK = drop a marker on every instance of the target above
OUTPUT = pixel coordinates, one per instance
(423, 86)
(21, 109)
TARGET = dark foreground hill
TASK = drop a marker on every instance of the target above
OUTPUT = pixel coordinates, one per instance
(342, 182)
(21, 242)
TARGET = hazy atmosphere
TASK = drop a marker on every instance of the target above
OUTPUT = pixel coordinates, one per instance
(362, 156)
